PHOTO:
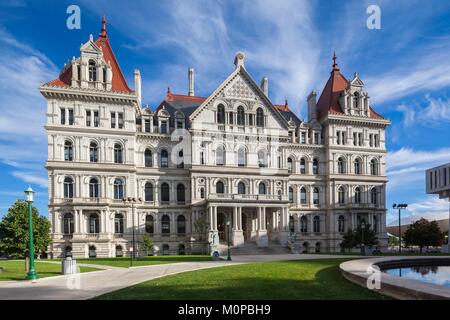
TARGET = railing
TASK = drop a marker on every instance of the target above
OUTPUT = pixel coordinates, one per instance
(232, 196)
(91, 236)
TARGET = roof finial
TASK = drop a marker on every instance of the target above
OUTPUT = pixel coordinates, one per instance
(169, 93)
(286, 105)
(335, 66)
(103, 32)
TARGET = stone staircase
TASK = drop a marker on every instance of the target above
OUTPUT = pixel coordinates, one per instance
(250, 248)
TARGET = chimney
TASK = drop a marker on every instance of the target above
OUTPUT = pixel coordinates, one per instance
(191, 82)
(312, 109)
(265, 86)
(137, 85)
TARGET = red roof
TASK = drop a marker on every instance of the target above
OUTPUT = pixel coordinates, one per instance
(180, 97)
(118, 80)
(282, 107)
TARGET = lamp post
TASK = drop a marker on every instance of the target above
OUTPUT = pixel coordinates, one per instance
(229, 236)
(400, 207)
(29, 196)
(132, 201)
(363, 228)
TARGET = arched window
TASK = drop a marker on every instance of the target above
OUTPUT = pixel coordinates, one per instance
(242, 157)
(220, 188)
(181, 225)
(148, 158)
(180, 161)
(302, 195)
(289, 165)
(221, 114)
(303, 224)
(68, 151)
(316, 224)
(164, 159)
(291, 194)
(93, 152)
(262, 159)
(181, 249)
(68, 188)
(181, 193)
(148, 192)
(202, 193)
(357, 165)
(315, 166)
(317, 247)
(165, 249)
(357, 195)
(259, 117)
(119, 251)
(68, 223)
(149, 224)
(94, 188)
(165, 224)
(341, 224)
(220, 156)
(94, 224)
(315, 196)
(341, 166)
(118, 189)
(305, 247)
(92, 252)
(374, 196)
(341, 195)
(92, 71)
(302, 166)
(262, 188)
(373, 167)
(118, 153)
(240, 116)
(241, 188)
(165, 192)
(118, 223)
(356, 100)
(291, 224)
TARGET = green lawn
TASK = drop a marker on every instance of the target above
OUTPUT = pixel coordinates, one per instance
(307, 279)
(15, 269)
(143, 261)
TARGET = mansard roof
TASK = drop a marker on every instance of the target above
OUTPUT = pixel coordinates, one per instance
(287, 113)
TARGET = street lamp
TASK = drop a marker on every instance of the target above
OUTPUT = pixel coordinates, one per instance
(229, 236)
(400, 207)
(29, 196)
(363, 228)
(132, 201)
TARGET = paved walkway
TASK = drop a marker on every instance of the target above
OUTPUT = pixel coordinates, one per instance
(91, 284)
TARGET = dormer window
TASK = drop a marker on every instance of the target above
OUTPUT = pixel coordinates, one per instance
(92, 71)
(356, 100)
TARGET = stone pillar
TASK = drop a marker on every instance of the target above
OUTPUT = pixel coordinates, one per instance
(213, 236)
(262, 239)
(238, 236)
(284, 227)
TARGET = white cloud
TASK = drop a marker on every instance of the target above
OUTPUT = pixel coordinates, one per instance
(31, 178)
(430, 208)
(435, 112)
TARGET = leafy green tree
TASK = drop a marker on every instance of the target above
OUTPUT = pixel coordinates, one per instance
(348, 240)
(355, 238)
(424, 233)
(200, 226)
(147, 244)
(14, 231)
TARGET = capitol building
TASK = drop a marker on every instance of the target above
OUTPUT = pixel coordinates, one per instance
(195, 173)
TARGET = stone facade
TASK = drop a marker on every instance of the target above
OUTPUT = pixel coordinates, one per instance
(197, 171)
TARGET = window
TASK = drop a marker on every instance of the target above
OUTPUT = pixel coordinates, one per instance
(316, 138)
(93, 188)
(338, 136)
(63, 116)
(317, 247)
(259, 117)
(341, 166)
(230, 117)
(262, 188)
(149, 224)
(119, 251)
(68, 151)
(202, 158)
(373, 167)
(291, 224)
(147, 125)
(240, 116)
(360, 139)
(291, 194)
(262, 159)
(92, 252)
(376, 140)
(303, 224)
(120, 120)
(357, 195)
(220, 156)
(94, 225)
(181, 249)
(315, 166)
(220, 188)
(375, 223)
(165, 224)
(148, 158)
(341, 224)
(148, 192)
(164, 159)
(356, 100)
(316, 224)
(88, 118)
(305, 247)
(221, 114)
(180, 124)
(68, 188)
(118, 153)
(113, 120)
(341, 195)
(96, 119)
(374, 196)
(163, 127)
(180, 161)
(303, 195)
(93, 152)
(118, 223)
(289, 165)
(250, 120)
(242, 157)
(181, 225)
(71, 118)
(303, 137)
(241, 188)
(118, 189)
(302, 166)
(316, 196)
(202, 193)
(165, 192)
(370, 140)
(355, 139)
(68, 223)
(357, 166)
(180, 193)
(165, 250)
(92, 71)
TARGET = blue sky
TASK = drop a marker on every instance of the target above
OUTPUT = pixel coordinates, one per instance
(405, 66)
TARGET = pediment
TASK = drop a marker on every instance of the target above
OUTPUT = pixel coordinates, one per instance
(90, 47)
(356, 81)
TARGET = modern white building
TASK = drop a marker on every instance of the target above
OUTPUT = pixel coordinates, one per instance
(197, 171)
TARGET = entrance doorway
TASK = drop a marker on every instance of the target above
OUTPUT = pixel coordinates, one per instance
(245, 227)
(222, 226)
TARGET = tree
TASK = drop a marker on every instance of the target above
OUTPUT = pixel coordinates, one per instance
(14, 231)
(200, 226)
(423, 233)
(348, 240)
(147, 243)
(359, 236)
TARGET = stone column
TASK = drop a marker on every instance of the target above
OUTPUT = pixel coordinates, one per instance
(284, 226)
(213, 236)
(262, 239)
(238, 236)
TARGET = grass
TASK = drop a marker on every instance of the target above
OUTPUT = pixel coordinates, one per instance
(301, 279)
(143, 261)
(15, 269)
